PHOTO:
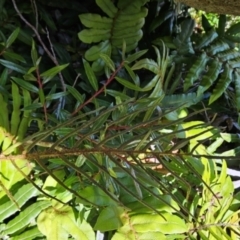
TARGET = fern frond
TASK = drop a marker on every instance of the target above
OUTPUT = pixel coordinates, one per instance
(123, 24)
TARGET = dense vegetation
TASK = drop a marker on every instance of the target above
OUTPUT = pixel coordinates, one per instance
(118, 121)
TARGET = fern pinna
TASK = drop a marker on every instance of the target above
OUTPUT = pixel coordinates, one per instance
(206, 65)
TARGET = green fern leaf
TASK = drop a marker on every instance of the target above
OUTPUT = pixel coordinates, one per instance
(23, 194)
(232, 39)
(187, 27)
(130, 38)
(221, 25)
(235, 63)
(214, 68)
(209, 37)
(218, 47)
(236, 75)
(94, 20)
(195, 71)
(94, 35)
(181, 99)
(228, 55)
(234, 29)
(134, 7)
(108, 7)
(125, 19)
(33, 233)
(94, 52)
(26, 217)
(124, 24)
(223, 83)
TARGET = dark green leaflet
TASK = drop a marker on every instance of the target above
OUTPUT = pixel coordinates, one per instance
(214, 68)
(222, 84)
(195, 71)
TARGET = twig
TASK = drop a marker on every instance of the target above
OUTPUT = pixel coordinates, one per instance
(53, 53)
(50, 43)
(34, 184)
(75, 81)
(40, 85)
(39, 39)
(8, 193)
(100, 90)
(76, 152)
(34, 5)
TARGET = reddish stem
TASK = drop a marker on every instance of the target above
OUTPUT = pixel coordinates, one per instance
(40, 87)
(100, 90)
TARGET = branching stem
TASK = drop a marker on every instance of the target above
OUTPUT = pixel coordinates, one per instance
(100, 90)
(50, 55)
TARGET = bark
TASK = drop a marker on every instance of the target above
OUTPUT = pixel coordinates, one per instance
(215, 6)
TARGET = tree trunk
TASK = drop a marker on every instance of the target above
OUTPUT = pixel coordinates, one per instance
(215, 6)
